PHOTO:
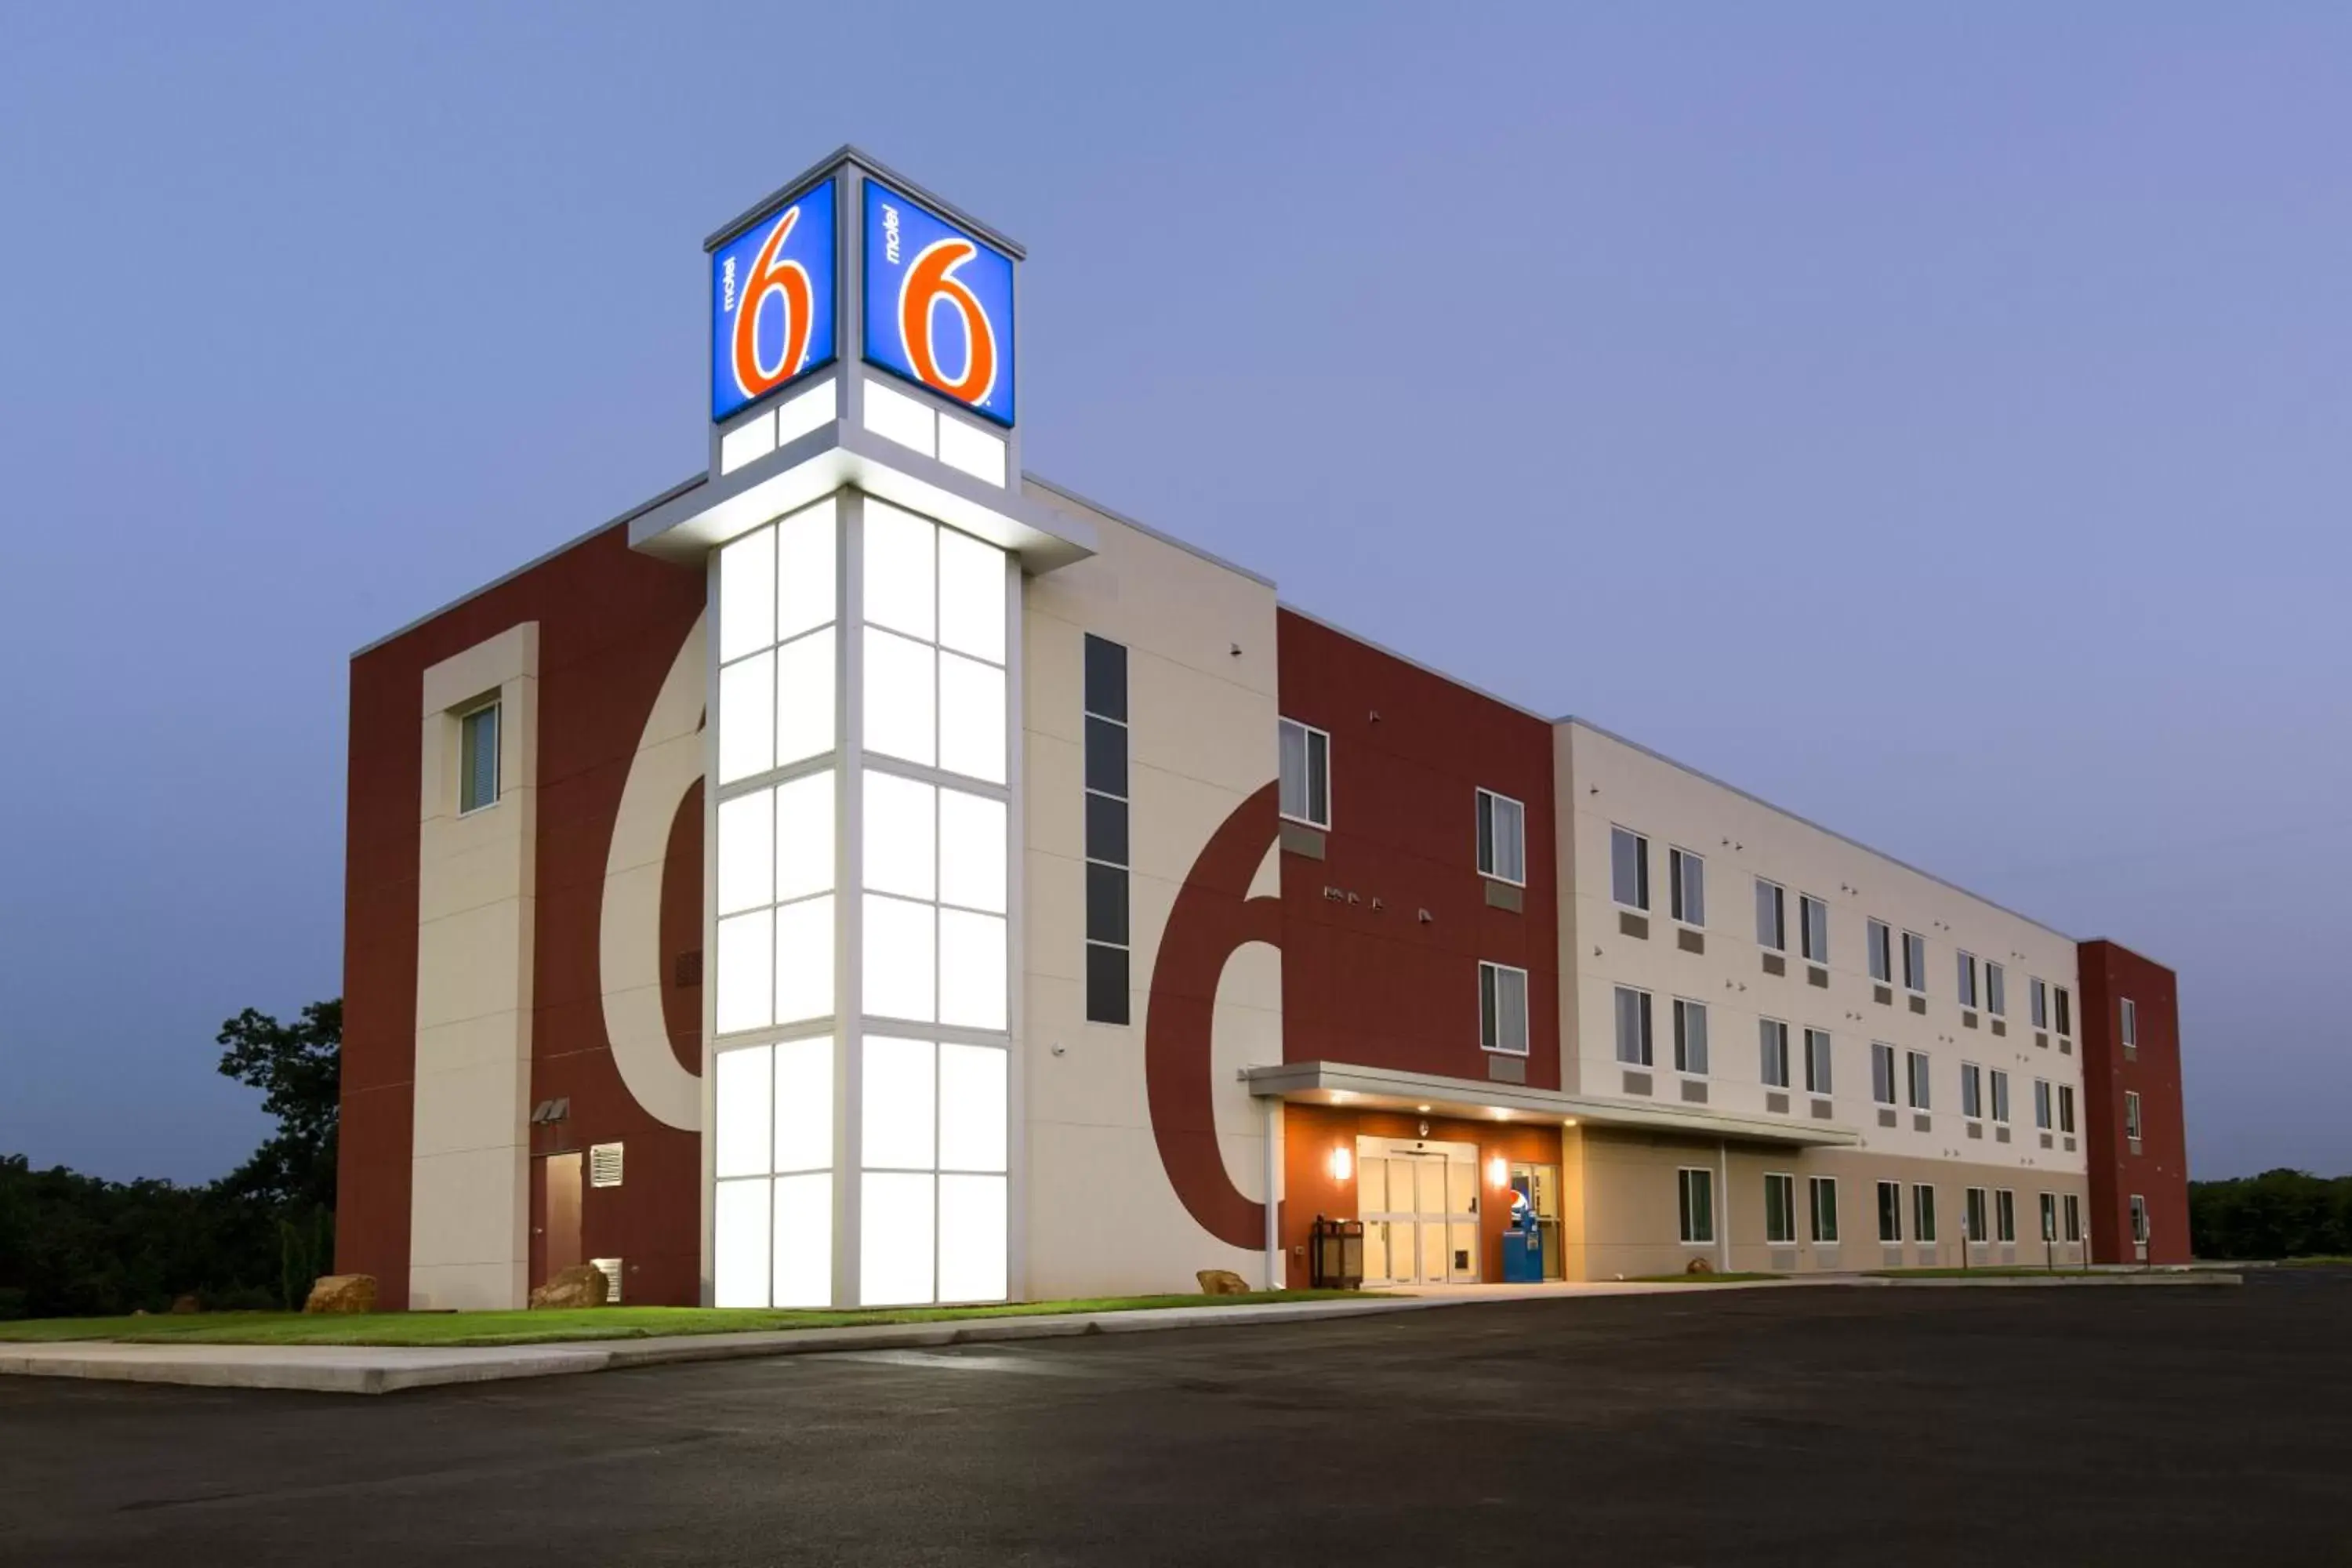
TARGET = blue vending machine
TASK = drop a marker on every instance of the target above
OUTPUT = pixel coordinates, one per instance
(1523, 1260)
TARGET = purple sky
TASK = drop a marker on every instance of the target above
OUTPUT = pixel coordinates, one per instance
(1941, 426)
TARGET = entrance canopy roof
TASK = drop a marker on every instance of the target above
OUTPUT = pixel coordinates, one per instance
(1383, 1089)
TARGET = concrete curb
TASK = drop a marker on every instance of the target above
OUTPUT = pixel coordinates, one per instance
(391, 1368)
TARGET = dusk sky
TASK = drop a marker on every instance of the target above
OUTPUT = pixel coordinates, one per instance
(1937, 421)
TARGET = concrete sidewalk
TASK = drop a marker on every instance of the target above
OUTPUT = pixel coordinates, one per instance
(387, 1369)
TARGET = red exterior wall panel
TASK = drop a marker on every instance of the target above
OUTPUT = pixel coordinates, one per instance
(2159, 1172)
(1365, 978)
(611, 624)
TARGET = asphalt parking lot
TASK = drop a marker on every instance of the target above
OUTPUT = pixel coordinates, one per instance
(1817, 1426)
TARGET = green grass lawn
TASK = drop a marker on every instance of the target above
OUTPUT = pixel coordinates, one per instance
(545, 1327)
(551, 1327)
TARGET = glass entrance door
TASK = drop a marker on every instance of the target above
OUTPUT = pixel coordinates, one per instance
(1418, 1204)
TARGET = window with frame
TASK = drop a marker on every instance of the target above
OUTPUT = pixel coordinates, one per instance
(2139, 1219)
(2050, 1216)
(1996, 990)
(1813, 928)
(1772, 1046)
(2065, 1009)
(2042, 1103)
(2073, 1211)
(1305, 762)
(1916, 1075)
(1501, 839)
(1999, 1096)
(1972, 1215)
(1686, 891)
(1780, 1209)
(2004, 1215)
(2130, 1021)
(1632, 1026)
(2065, 1107)
(1690, 1038)
(1972, 1091)
(477, 758)
(1968, 980)
(1882, 1073)
(1502, 1009)
(1825, 1210)
(1696, 1189)
(1628, 868)
(1923, 1213)
(2037, 1002)
(1107, 827)
(1880, 939)
(1915, 963)
(1771, 916)
(2131, 1114)
(1817, 1061)
(1890, 1212)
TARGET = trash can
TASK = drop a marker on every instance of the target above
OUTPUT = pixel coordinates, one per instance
(1335, 1254)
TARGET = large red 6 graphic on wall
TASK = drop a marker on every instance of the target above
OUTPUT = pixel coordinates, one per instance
(786, 282)
(930, 282)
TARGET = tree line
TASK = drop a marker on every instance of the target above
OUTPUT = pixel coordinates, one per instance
(72, 1245)
(2279, 1214)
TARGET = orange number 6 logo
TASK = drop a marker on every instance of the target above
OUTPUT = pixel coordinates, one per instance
(787, 283)
(932, 279)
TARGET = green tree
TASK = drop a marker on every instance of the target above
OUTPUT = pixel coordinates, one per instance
(298, 1068)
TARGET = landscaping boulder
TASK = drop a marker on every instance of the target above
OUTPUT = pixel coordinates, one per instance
(342, 1293)
(1222, 1282)
(1699, 1265)
(186, 1304)
(581, 1285)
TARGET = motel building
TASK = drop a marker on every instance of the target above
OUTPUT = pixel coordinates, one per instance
(868, 873)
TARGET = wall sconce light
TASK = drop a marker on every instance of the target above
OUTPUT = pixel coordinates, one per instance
(1343, 1164)
(1568, 1121)
(1498, 1171)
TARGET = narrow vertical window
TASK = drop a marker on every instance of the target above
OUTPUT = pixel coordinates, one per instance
(2131, 1022)
(1632, 1026)
(1968, 981)
(1923, 1213)
(477, 761)
(2037, 998)
(1502, 837)
(1628, 868)
(1996, 990)
(2131, 1114)
(1972, 1215)
(2065, 1011)
(1690, 1038)
(2004, 1212)
(1999, 1096)
(1687, 874)
(1890, 1212)
(2042, 1103)
(1916, 1064)
(1780, 1208)
(1813, 920)
(1697, 1203)
(1107, 835)
(1882, 952)
(1305, 762)
(1881, 1074)
(2065, 1107)
(1503, 1009)
(1826, 1210)
(1772, 1040)
(1771, 915)
(1971, 1092)
(2074, 1217)
(2050, 1216)
(1817, 1061)
(1915, 961)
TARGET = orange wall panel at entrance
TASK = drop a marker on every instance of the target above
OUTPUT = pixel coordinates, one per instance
(1310, 1134)
(1366, 978)
(611, 622)
(2158, 1172)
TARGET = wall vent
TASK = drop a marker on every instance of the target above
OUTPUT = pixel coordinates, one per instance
(611, 1270)
(603, 1165)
